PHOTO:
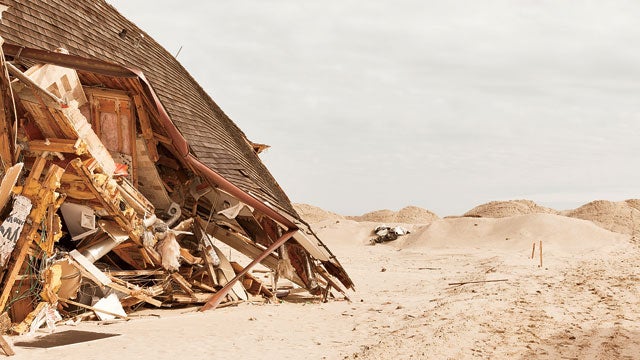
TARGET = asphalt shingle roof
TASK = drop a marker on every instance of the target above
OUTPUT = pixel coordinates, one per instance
(90, 28)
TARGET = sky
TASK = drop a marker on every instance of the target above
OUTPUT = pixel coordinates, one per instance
(440, 104)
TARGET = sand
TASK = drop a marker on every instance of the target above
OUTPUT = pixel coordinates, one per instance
(313, 214)
(582, 304)
(498, 209)
(621, 217)
(407, 215)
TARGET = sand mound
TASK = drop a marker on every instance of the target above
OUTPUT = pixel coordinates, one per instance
(634, 203)
(500, 209)
(517, 232)
(620, 217)
(407, 215)
(313, 214)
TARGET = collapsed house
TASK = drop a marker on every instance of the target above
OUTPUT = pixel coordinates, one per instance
(122, 179)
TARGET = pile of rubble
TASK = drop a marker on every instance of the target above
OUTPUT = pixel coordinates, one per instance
(102, 212)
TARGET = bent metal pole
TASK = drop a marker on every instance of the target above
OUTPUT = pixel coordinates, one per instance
(216, 299)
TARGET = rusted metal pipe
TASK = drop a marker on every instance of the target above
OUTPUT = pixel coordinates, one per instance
(216, 299)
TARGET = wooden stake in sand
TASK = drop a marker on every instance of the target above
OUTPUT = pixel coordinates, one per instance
(533, 251)
(540, 253)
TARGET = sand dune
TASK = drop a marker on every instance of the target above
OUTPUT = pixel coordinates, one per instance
(498, 209)
(313, 214)
(407, 215)
(622, 217)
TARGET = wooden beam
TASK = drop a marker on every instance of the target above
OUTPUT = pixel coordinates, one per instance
(68, 146)
(41, 195)
(110, 201)
(219, 296)
(6, 347)
(6, 132)
(183, 284)
(145, 127)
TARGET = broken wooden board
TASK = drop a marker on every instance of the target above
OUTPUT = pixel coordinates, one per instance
(41, 194)
(6, 347)
(149, 181)
(8, 182)
(226, 273)
(68, 146)
(93, 273)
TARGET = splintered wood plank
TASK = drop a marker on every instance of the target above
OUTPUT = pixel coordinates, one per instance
(99, 277)
(110, 202)
(6, 128)
(183, 284)
(41, 195)
(197, 298)
(145, 127)
(6, 347)
(237, 292)
(69, 146)
(219, 296)
(8, 182)
(96, 274)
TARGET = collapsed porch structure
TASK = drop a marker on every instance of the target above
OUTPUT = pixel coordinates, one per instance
(119, 182)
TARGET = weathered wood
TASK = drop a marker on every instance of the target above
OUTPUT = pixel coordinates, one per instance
(9, 180)
(183, 284)
(137, 293)
(92, 272)
(112, 201)
(6, 347)
(96, 274)
(188, 258)
(71, 302)
(41, 196)
(202, 286)
(136, 273)
(540, 250)
(145, 127)
(6, 128)
(533, 250)
(255, 282)
(219, 296)
(68, 146)
(476, 282)
(197, 298)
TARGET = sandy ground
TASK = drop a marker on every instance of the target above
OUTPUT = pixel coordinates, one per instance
(582, 304)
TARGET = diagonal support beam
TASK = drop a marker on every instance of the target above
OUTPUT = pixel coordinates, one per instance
(216, 299)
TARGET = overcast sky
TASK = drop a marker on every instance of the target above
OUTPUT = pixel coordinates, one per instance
(441, 104)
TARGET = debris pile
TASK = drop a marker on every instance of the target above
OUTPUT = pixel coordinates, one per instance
(386, 233)
(104, 209)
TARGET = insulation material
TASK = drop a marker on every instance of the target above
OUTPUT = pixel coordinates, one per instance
(52, 283)
(110, 304)
(238, 209)
(169, 250)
